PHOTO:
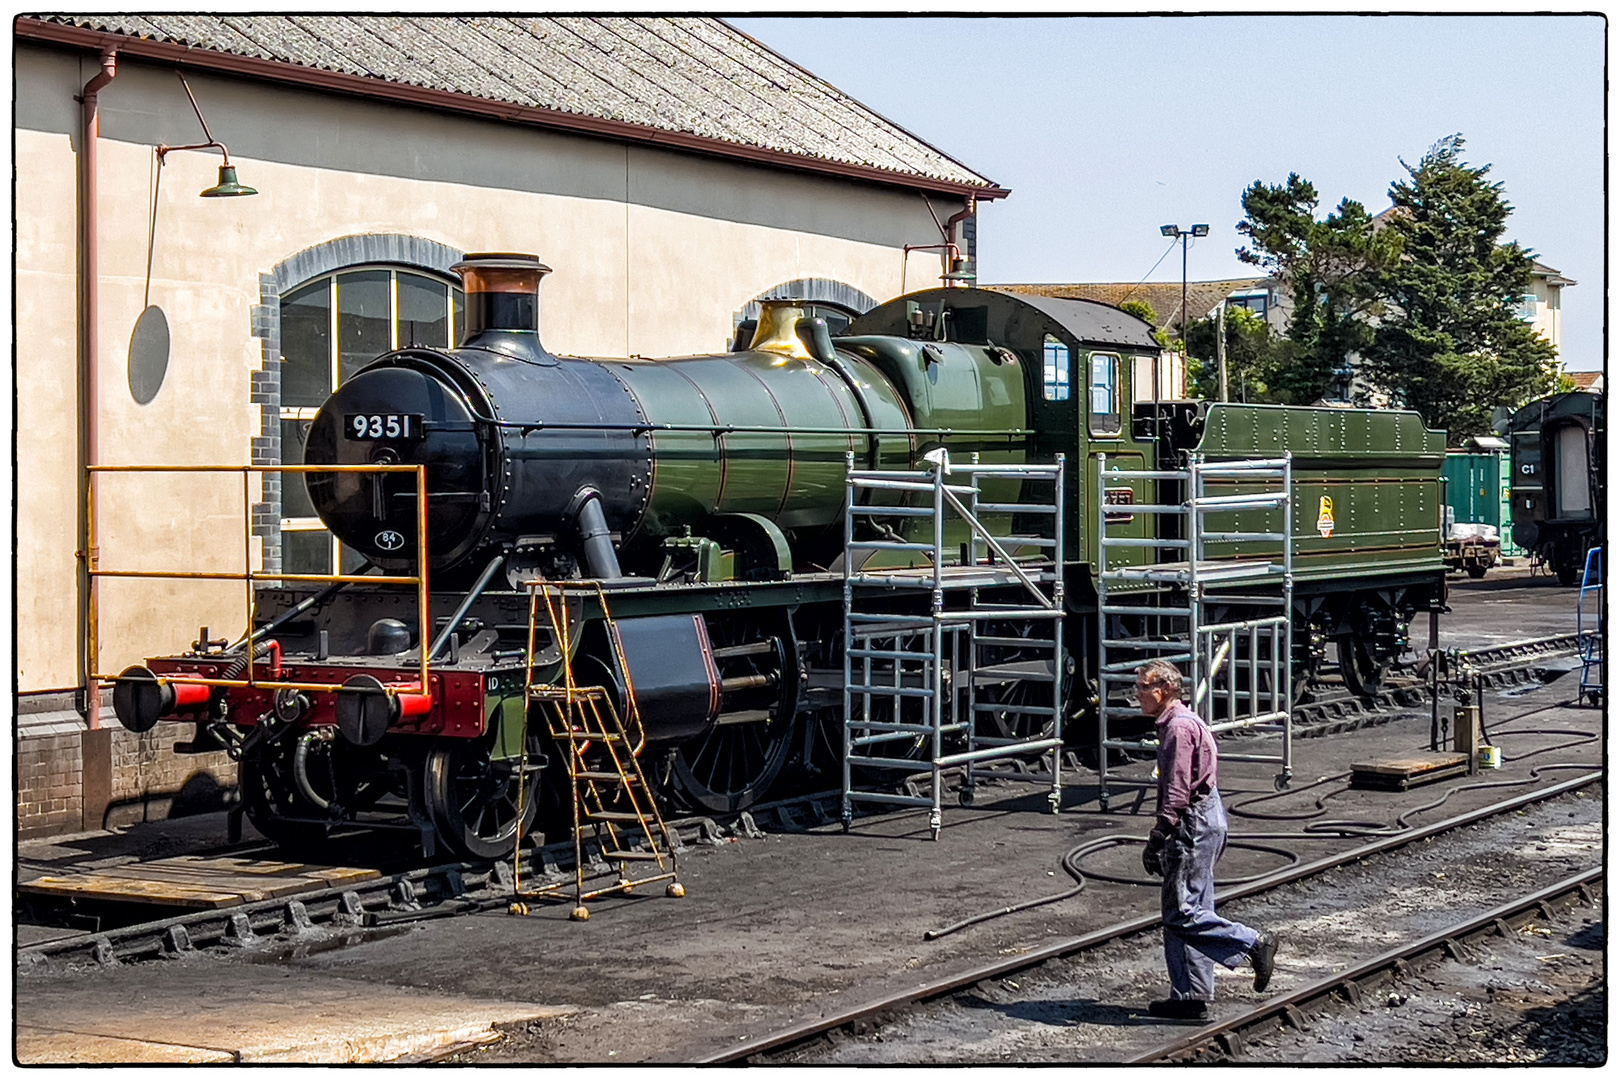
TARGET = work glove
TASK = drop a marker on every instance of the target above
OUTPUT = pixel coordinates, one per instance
(1152, 852)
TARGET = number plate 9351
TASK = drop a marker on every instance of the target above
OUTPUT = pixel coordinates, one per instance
(383, 425)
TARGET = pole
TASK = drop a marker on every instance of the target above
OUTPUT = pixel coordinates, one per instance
(1220, 348)
(1184, 292)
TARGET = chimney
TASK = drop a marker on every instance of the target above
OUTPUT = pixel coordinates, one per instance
(503, 296)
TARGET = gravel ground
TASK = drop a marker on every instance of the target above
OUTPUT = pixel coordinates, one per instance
(1092, 1008)
(1538, 998)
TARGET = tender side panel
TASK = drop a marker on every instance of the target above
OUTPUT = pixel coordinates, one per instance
(1367, 488)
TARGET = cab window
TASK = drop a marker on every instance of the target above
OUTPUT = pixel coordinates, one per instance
(1057, 369)
(1102, 406)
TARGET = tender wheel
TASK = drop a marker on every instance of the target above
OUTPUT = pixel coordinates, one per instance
(1476, 572)
(473, 800)
(1363, 672)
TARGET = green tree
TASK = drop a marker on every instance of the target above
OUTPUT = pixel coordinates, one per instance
(1452, 346)
(1144, 311)
(1333, 269)
(1254, 356)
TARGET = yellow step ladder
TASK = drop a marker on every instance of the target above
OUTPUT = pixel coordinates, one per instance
(602, 751)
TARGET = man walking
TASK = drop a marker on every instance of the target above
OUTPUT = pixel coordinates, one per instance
(1188, 837)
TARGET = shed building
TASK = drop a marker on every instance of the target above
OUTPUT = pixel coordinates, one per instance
(671, 171)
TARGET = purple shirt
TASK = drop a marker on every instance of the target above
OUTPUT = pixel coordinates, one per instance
(1186, 762)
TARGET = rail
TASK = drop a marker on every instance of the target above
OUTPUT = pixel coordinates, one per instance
(1288, 1006)
(830, 1018)
(249, 576)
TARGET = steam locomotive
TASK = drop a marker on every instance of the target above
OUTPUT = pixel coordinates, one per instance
(1557, 446)
(706, 495)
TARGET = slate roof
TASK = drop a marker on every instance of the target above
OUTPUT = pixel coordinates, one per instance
(1163, 296)
(694, 77)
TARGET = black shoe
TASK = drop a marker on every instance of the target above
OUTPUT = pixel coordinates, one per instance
(1180, 1009)
(1263, 958)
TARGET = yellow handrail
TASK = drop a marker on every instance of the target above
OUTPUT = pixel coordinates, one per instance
(248, 576)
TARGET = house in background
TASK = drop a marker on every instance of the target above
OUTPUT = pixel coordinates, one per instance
(1543, 306)
(671, 171)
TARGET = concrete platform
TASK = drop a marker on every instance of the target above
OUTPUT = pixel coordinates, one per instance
(199, 1011)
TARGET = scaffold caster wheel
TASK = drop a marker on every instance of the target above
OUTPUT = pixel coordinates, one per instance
(1055, 802)
(1102, 804)
(675, 890)
(580, 914)
(847, 820)
(965, 796)
(517, 907)
(1282, 781)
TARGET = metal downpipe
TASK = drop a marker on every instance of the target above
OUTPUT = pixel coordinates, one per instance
(90, 345)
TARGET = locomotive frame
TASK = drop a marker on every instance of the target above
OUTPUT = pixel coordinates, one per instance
(707, 493)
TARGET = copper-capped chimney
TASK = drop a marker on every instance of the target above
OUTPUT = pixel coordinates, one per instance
(502, 298)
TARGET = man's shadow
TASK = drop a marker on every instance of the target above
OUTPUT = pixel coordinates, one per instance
(1065, 1012)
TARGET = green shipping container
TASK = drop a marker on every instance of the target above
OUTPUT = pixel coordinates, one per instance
(1477, 490)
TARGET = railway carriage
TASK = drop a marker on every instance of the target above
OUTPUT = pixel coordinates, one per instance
(1557, 448)
(705, 498)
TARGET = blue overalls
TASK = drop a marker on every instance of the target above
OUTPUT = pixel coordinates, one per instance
(1195, 938)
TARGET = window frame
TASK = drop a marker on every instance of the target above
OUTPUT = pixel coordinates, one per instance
(1057, 377)
(1093, 427)
(304, 413)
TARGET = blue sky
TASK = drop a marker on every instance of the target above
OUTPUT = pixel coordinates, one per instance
(1107, 128)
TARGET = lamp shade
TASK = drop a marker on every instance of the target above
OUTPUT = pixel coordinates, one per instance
(1168, 230)
(227, 185)
(1200, 230)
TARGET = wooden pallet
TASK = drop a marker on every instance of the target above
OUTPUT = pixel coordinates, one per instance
(195, 881)
(1411, 770)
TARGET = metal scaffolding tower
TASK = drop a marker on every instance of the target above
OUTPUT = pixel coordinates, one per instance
(1238, 667)
(919, 688)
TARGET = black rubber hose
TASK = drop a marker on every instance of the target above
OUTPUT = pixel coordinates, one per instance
(1317, 830)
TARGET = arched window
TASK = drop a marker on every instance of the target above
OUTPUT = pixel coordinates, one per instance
(331, 327)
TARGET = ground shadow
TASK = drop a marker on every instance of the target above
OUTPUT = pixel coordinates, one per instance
(1065, 1012)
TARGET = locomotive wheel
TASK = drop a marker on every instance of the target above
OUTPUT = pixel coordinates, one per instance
(730, 767)
(1363, 672)
(270, 797)
(1021, 694)
(473, 800)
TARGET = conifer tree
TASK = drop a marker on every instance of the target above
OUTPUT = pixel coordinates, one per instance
(1451, 344)
(1332, 268)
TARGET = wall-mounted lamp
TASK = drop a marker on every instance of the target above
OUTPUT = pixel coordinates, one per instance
(228, 184)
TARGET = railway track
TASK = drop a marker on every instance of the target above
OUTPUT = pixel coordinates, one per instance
(460, 888)
(857, 1017)
(1224, 1040)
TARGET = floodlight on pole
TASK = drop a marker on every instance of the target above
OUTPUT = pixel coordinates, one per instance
(1176, 230)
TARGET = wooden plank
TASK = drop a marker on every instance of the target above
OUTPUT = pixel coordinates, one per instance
(97, 887)
(1409, 765)
(195, 881)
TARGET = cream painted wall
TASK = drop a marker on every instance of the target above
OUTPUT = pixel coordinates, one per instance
(1549, 320)
(653, 254)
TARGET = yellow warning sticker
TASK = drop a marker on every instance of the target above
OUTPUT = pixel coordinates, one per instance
(1324, 516)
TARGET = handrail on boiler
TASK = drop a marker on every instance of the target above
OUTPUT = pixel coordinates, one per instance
(248, 576)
